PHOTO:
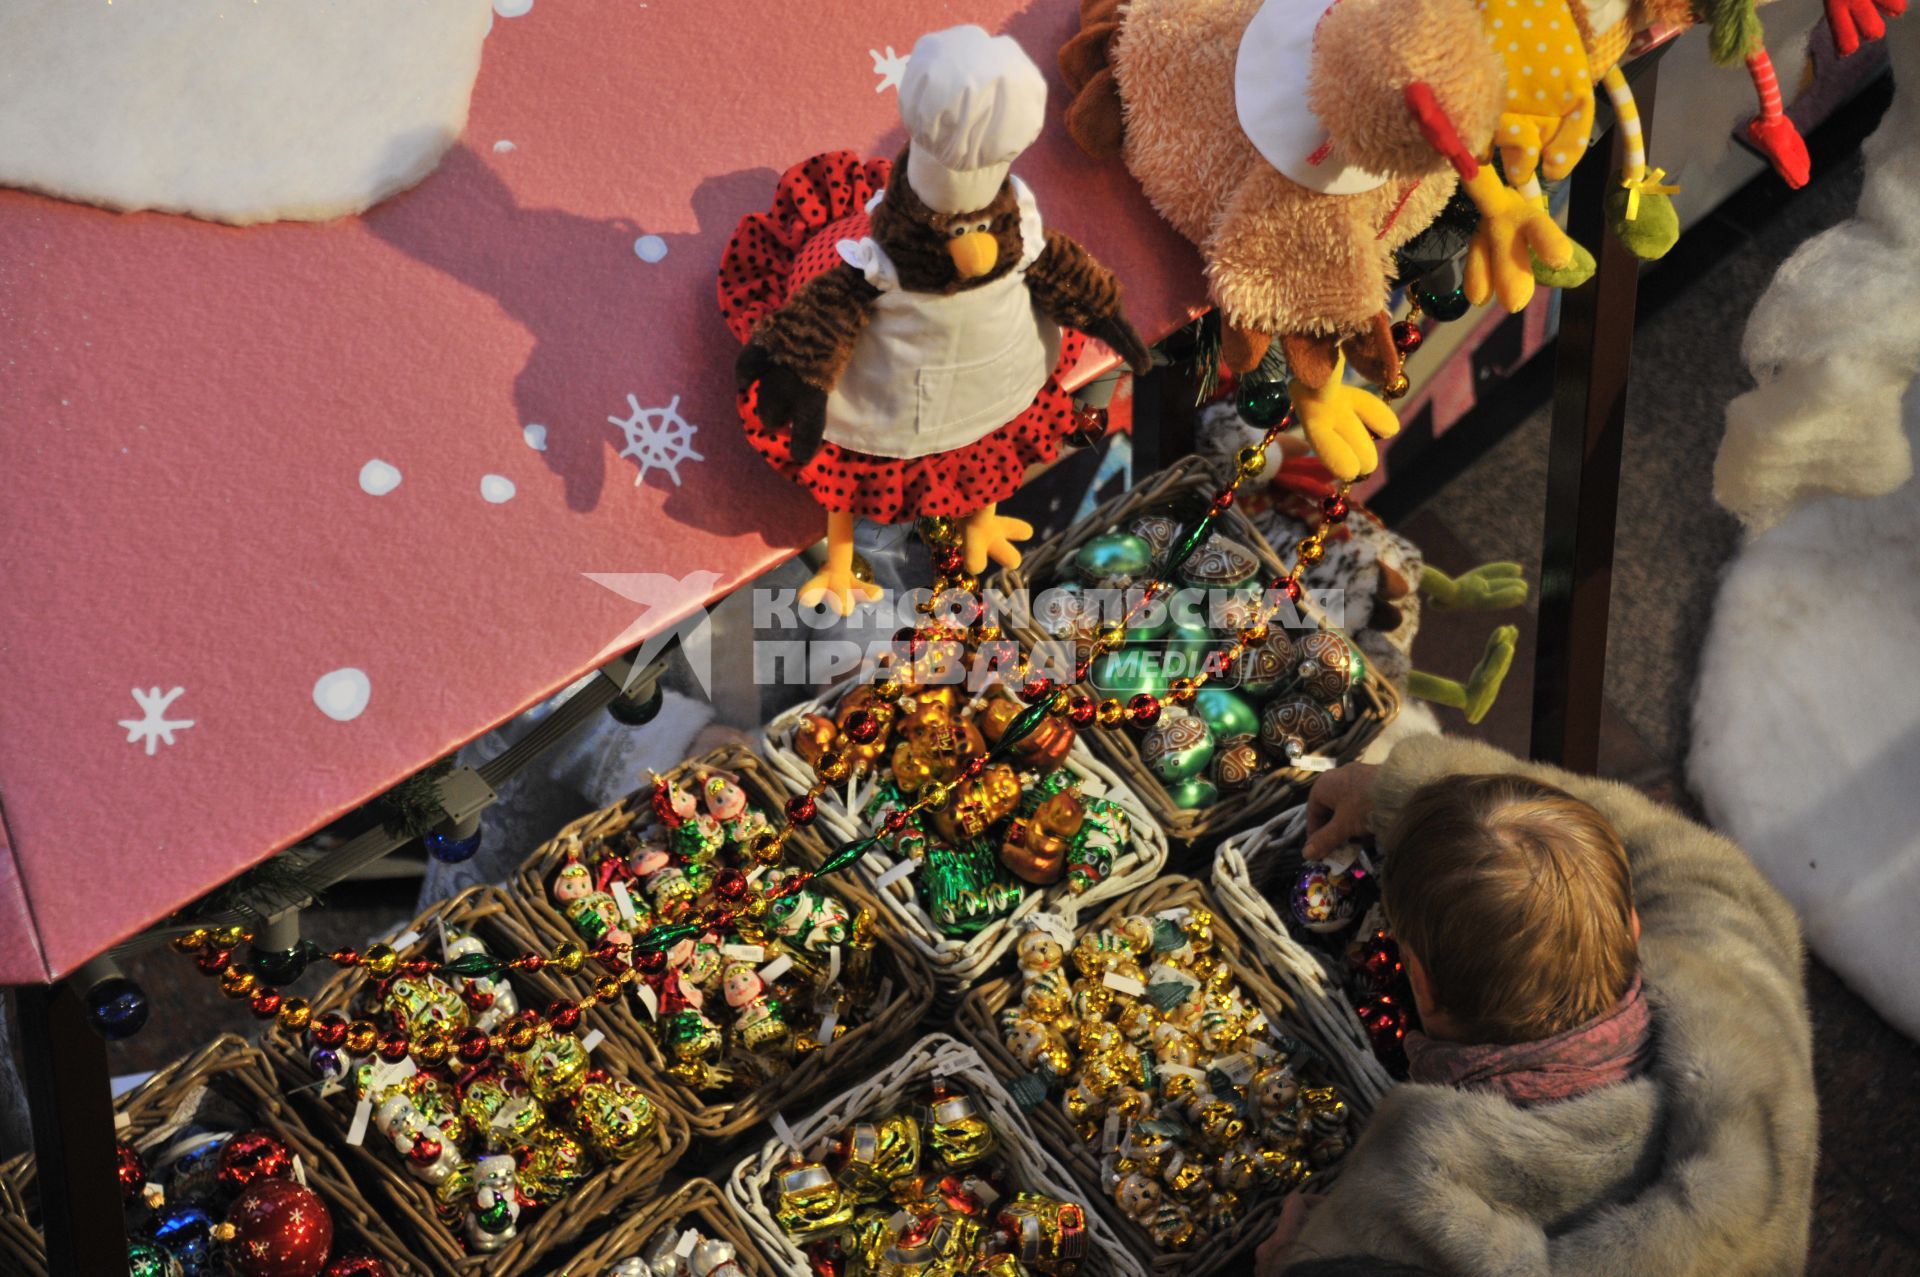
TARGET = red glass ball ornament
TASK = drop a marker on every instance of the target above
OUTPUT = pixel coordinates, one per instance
(1376, 961)
(863, 726)
(330, 1030)
(253, 1155)
(130, 1169)
(1334, 508)
(1291, 588)
(474, 1045)
(212, 961)
(563, 1015)
(1384, 1020)
(1037, 688)
(730, 885)
(1144, 709)
(1407, 337)
(1080, 711)
(357, 1266)
(280, 1229)
(800, 809)
(392, 1046)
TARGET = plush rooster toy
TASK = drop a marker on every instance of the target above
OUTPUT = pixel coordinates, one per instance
(914, 370)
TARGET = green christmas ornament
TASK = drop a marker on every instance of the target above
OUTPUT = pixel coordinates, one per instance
(1444, 304)
(145, 1259)
(1194, 793)
(473, 966)
(1152, 622)
(1114, 558)
(1267, 667)
(1178, 747)
(1129, 672)
(1262, 403)
(1186, 649)
(1226, 713)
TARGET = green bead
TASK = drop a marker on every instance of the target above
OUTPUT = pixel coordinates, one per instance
(1261, 403)
(1444, 304)
(1196, 536)
(1178, 747)
(1193, 794)
(661, 939)
(1025, 722)
(1129, 672)
(1226, 713)
(1114, 557)
(846, 855)
(472, 965)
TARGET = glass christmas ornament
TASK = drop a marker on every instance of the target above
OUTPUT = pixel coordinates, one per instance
(117, 1008)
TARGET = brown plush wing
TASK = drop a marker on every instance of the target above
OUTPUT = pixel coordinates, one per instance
(1075, 291)
(814, 333)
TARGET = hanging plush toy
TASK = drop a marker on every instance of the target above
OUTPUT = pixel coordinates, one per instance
(903, 323)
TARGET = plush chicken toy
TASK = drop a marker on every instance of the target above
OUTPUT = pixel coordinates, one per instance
(903, 324)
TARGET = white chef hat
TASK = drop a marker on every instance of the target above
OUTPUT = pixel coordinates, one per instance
(971, 103)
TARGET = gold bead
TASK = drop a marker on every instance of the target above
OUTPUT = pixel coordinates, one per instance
(294, 1014)
(988, 633)
(1111, 636)
(569, 956)
(361, 1035)
(832, 766)
(1111, 713)
(229, 938)
(937, 530)
(236, 982)
(1252, 461)
(766, 847)
(380, 961)
(432, 1052)
(936, 794)
(193, 942)
(520, 1036)
(1310, 550)
(1254, 634)
(756, 906)
(606, 988)
(1059, 701)
(1181, 690)
(1397, 388)
(889, 689)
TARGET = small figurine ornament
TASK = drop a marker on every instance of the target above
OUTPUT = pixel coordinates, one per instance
(918, 372)
(429, 1155)
(759, 1021)
(493, 1220)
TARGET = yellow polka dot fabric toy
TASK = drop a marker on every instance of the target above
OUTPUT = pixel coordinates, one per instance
(1548, 115)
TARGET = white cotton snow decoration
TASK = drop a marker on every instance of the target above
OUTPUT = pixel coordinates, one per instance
(229, 111)
(497, 488)
(378, 478)
(343, 694)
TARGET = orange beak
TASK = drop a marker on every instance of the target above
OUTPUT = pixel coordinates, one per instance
(974, 254)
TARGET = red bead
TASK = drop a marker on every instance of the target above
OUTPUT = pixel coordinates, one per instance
(975, 765)
(212, 961)
(722, 920)
(863, 726)
(265, 1002)
(909, 640)
(530, 962)
(1144, 709)
(1223, 502)
(948, 560)
(345, 957)
(792, 886)
(330, 1030)
(1037, 688)
(800, 809)
(392, 1046)
(563, 1015)
(1407, 337)
(1081, 711)
(607, 953)
(730, 885)
(1334, 508)
(897, 821)
(416, 966)
(650, 961)
(1291, 587)
(474, 1045)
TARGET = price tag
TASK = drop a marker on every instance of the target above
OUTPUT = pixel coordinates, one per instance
(440, 926)
(299, 1171)
(1314, 763)
(1124, 984)
(406, 940)
(650, 1000)
(827, 1023)
(592, 1040)
(362, 1114)
(833, 966)
(784, 1133)
(1110, 1133)
(623, 901)
(744, 952)
(688, 1240)
(984, 1192)
(895, 872)
(775, 969)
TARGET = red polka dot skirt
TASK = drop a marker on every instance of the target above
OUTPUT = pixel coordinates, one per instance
(818, 203)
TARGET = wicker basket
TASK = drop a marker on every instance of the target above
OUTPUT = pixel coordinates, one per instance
(936, 1055)
(1249, 871)
(225, 1085)
(487, 913)
(1277, 993)
(958, 964)
(908, 976)
(1193, 481)
(698, 1203)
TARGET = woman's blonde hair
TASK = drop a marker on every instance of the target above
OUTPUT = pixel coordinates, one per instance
(1517, 899)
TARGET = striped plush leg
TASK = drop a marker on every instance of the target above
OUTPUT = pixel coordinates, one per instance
(1771, 130)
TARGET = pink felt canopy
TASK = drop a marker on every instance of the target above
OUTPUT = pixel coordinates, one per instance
(198, 420)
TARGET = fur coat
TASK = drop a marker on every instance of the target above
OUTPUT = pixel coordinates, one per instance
(1703, 1167)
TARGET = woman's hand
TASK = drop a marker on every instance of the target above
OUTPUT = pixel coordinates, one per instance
(1271, 1259)
(1340, 809)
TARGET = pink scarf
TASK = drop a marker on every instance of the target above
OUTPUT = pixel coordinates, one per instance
(1609, 1049)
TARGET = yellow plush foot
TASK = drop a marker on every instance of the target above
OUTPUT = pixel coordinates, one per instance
(990, 536)
(838, 588)
(1341, 422)
(1483, 685)
(1513, 231)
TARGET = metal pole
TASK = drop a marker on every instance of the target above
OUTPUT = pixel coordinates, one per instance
(1583, 472)
(70, 1096)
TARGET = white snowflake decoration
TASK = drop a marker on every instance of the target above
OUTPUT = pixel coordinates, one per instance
(658, 438)
(156, 728)
(889, 66)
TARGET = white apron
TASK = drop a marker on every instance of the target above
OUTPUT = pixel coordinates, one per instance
(934, 372)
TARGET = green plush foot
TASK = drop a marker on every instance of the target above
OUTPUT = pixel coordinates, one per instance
(1575, 273)
(1491, 587)
(1654, 229)
(1483, 685)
